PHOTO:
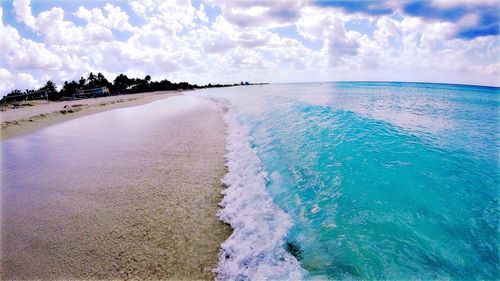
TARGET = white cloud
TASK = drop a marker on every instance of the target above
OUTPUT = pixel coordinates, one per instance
(340, 44)
(176, 15)
(269, 14)
(8, 40)
(312, 23)
(22, 9)
(201, 13)
(115, 18)
(213, 41)
(20, 53)
(386, 28)
(32, 55)
(19, 81)
(85, 14)
(292, 52)
(57, 31)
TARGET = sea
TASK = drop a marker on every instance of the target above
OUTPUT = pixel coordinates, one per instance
(361, 180)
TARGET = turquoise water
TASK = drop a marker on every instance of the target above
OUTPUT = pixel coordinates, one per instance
(359, 180)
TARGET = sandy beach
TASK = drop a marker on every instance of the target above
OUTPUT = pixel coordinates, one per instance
(128, 193)
(39, 114)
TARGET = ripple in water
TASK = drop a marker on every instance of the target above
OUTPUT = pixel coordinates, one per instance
(362, 181)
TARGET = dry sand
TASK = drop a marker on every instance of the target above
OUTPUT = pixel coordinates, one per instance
(27, 119)
(141, 208)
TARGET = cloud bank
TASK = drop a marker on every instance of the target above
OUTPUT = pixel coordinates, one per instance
(224, 41)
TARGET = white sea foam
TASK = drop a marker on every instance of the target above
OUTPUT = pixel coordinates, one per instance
(256, 249)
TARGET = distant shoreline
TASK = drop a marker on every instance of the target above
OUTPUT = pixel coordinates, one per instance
(40, 114)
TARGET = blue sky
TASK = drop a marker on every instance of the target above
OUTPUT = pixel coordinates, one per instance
(225, 41)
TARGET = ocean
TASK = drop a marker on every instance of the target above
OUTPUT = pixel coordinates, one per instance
(361, 180)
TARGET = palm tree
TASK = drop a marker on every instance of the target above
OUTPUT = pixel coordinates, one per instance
(69, 88)
(82, 83)
(122, 82)
(50, 87)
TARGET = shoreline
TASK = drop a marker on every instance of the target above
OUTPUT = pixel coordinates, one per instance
(144, 213)
(246, 175)
(28, 119)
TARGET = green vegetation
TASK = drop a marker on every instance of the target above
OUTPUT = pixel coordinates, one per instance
(121, 85)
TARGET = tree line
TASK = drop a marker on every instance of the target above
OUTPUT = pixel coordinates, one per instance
(121, 85)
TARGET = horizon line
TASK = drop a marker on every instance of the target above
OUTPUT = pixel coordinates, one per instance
(385, 81)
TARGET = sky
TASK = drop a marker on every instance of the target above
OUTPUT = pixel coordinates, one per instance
(227, 41)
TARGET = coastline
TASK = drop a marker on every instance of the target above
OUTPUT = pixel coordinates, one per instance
(249, 209)
(142, 213)
(28, 119)
(257, 248)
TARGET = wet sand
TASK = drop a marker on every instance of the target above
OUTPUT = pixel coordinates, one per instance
(129, 193)
(41, 114)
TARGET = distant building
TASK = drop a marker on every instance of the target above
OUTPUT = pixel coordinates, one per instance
(31, 95)
(95, 92)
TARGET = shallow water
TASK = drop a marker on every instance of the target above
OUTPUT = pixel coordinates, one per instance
(129, 193)
(358, 180)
